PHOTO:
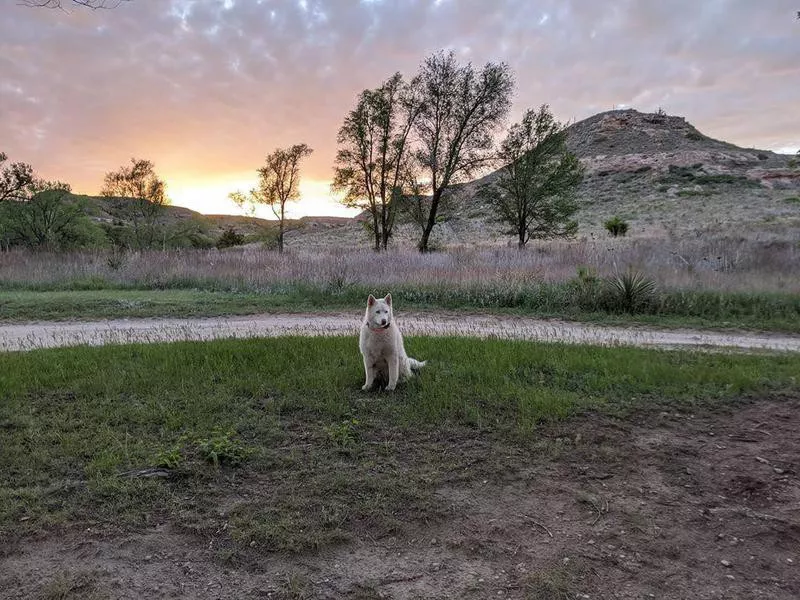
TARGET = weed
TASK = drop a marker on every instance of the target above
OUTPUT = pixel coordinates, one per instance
(170, 458)
(296, 586)
(344, 435)
(553, 584)
(73, 586)
(116, 258)
(223, 448)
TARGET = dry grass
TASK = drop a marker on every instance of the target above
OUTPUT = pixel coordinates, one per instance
(694, 264)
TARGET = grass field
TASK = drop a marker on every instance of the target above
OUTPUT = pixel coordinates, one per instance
(767, 311)
(82, 427)
(698, 286)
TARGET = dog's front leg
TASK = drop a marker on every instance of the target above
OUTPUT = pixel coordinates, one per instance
(369, 369)
(394, 371)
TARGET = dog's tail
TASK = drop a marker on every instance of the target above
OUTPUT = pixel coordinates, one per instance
(415, 364)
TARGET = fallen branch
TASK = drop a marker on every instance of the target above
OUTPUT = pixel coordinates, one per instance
(535, 522)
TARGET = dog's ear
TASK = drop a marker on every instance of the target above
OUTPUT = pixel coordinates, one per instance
(370, 300)
(388, 299)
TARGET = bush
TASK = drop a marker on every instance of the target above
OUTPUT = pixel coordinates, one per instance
(616, 226)
(230, 238)
(631, 292)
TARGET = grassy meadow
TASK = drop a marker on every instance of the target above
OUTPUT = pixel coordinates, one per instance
(275, 438)
(734, 284)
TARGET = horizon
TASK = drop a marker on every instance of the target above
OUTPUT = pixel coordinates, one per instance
(205, 90)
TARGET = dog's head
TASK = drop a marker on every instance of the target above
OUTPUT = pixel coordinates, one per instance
(379, 312)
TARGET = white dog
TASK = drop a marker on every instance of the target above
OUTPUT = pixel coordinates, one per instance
(381, 345)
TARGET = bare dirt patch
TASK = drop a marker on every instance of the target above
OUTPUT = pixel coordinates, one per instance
(660, 504)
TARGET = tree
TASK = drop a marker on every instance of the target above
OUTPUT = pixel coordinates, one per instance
(278, 183)
(51, 219)
(93, 4)
(16, 180)
(373, 153)
(461, 109)
(142, 196)
(534, 191)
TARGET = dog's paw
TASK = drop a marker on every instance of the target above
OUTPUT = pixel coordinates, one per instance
(390, 387)
(366, 387)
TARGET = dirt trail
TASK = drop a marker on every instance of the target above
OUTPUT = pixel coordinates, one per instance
(28, 336)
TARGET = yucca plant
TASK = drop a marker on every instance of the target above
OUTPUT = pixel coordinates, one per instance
(631, 292)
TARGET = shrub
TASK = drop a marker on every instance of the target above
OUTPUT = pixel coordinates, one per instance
(230, 238)
(631, 292)
(616, 226)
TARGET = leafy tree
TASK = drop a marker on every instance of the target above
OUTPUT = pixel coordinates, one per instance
(51, 219)
(142, 198)
(616, 226)
(373, 153)
(17, 180)
(534, 191)
(278, 184)
(461, 109)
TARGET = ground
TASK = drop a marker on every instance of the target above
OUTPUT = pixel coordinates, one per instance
(27, 336)
(655, 504)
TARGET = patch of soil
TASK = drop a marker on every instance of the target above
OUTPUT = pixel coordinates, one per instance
(659, 505)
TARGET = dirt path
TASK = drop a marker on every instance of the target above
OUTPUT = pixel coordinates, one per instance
(28, 336)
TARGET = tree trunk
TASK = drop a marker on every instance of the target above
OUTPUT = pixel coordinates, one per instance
(376, 230)
(280, 229)
(426, 232)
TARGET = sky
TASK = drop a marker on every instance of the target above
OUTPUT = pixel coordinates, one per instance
(207, 88)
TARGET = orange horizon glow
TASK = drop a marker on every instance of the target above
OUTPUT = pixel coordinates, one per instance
(211, 197)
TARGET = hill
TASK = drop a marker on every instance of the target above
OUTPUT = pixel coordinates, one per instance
(204, 228)
(657, 171)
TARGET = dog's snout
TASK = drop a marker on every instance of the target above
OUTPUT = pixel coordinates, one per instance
(383, 321)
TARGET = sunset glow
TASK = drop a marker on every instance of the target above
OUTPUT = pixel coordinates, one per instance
(206, 89)
(212, 198)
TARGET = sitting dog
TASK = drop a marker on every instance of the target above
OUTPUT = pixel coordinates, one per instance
(381, 345)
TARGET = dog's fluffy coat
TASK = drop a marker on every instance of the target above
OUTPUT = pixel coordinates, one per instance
(381, 345)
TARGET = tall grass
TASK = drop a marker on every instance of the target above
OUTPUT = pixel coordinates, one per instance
(716, 265)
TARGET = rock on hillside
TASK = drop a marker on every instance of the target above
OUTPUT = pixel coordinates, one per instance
(627, 141)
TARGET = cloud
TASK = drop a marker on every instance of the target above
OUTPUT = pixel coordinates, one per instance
(206, 88)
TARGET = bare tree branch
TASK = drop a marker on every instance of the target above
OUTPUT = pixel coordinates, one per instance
(61, 4)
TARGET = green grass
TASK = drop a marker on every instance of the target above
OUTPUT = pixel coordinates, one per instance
(278, 432)
(573, 300)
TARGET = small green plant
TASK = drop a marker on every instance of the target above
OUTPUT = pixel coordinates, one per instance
(792, 200)
(170, 458)
(344, 435)
(553, 584)
(223, 448)
(694, 136)
(230, 237)
(116, 258)
(631, 292)
(616, 226)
